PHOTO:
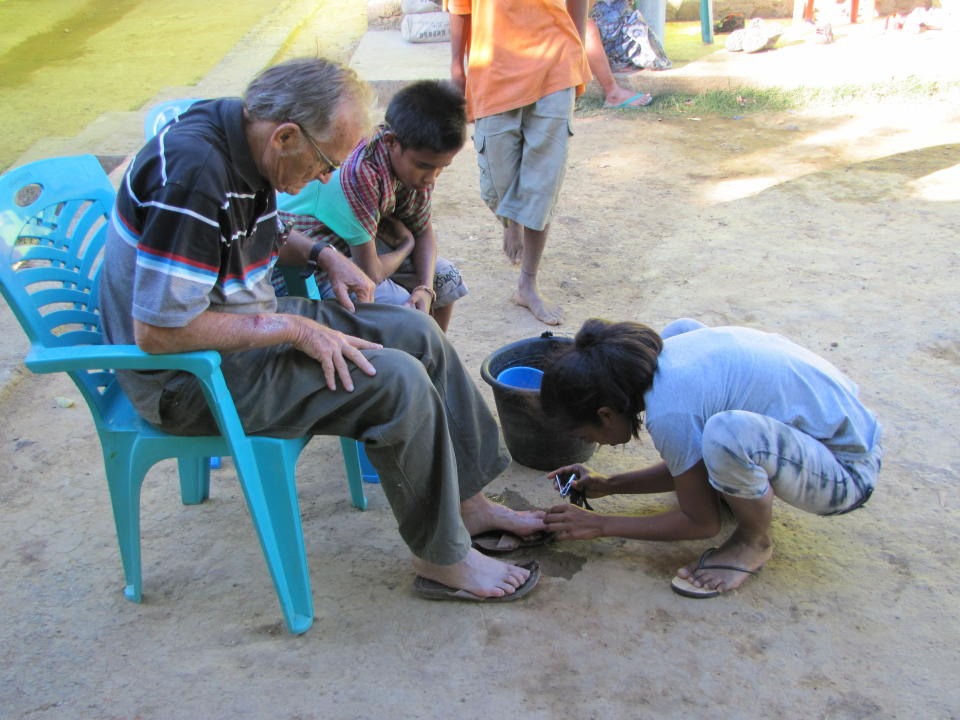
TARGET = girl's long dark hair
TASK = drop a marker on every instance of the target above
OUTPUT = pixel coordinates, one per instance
(608, 365)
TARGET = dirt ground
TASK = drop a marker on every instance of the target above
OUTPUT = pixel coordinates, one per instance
(836, 228)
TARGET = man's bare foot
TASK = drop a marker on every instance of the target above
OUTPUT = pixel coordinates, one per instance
(477, 574)
(734, 552)
(542, 309)
(481, 514)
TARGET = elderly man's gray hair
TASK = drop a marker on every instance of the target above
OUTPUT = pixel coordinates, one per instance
(307, 91)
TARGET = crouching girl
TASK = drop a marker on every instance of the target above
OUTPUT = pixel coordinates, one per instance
(734, 413)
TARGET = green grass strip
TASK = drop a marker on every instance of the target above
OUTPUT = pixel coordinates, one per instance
(750, 100)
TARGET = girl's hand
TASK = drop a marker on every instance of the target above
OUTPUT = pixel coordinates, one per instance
(592, 483)
(570, 522)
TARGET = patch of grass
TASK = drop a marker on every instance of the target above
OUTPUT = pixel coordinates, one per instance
(740, 101)
(750, 101)
(63, 64)
(683, 43)
(909, 88)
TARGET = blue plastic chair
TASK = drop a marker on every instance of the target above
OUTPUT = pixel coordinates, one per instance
(53, 219)
(162, 113)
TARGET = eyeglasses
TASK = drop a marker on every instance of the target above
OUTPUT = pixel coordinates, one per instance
(331, 165)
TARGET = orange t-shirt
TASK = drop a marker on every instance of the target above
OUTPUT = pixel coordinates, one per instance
(519, 51)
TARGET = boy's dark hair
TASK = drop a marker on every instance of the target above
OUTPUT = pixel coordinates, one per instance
(608, 365)
(429, 115)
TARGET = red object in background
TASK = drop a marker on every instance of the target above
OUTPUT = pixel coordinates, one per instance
(808, 10)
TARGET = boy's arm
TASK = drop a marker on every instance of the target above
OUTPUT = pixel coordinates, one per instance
(577, 9)
(425, 261)
(459, 48)
(698, 516)
(380, 267)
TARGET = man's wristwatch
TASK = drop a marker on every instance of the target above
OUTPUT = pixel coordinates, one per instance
(312, 266)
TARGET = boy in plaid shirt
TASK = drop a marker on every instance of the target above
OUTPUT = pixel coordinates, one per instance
(376, 207)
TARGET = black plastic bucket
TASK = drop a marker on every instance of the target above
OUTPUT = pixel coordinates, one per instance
(532, 438)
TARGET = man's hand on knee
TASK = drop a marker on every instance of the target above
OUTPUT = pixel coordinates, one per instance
(334, 349)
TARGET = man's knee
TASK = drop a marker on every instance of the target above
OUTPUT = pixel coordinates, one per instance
(399, 372)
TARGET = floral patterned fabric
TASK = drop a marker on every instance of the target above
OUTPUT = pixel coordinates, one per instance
(627, 39)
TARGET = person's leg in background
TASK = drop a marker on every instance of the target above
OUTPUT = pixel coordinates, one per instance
(527, 293)
(614, 94)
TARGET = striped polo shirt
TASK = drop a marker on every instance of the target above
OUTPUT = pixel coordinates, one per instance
(194, 228)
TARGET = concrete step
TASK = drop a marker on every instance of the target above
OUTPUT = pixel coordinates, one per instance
(388, 62)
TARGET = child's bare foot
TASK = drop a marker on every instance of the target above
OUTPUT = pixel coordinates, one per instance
(477, 574)
(513, 243)
(542, 309)
(735, 553)
(481, 514)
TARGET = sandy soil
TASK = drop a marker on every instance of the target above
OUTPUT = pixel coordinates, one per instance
(836, 228)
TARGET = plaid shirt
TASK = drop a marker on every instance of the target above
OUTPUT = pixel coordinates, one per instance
(373, 193)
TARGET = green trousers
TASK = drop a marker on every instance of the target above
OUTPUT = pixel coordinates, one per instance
(424, 424)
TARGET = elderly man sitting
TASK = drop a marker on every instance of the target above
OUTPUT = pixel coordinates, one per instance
(192, 242)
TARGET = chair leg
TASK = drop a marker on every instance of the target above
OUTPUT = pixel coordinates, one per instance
(368, 473)
(271, 494)
(351, 461)
(124, 479)
(194, 479)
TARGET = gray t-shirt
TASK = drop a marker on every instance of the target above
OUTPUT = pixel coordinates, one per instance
(711, 370)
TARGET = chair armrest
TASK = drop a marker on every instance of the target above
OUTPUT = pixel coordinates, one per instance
(205, 365)
(119, 357)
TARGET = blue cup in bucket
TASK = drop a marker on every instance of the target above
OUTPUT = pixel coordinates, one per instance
(526, 378)
(514, 374)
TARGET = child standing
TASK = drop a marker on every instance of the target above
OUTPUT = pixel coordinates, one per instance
(376, 208)
(526, 63)
(736, 414)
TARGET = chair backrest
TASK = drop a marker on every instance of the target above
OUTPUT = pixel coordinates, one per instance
(53, 222)
(159, 115)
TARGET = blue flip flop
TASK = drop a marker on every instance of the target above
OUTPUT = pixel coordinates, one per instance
(644, 98)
